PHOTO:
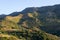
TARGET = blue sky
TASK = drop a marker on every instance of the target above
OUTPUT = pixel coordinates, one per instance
(9, 6)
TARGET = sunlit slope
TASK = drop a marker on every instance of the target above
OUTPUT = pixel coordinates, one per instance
(8, 37)
(33, 23)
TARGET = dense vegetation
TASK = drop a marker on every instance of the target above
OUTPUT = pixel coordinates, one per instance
(31, 24)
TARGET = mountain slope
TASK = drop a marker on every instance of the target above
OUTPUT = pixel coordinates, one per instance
(34, 23)
(7, 37)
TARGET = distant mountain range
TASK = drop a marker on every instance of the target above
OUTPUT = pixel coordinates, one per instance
(28, 23)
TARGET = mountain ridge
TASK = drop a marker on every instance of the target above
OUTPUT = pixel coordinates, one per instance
(33, 23)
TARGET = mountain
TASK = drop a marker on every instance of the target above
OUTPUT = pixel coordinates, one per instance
(33, 23)
(48, 15)
(2, 16)
(44, 10)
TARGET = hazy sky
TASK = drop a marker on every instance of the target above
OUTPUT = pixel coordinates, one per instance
(9, 6)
